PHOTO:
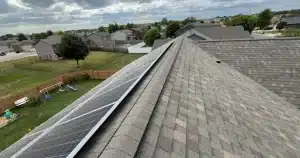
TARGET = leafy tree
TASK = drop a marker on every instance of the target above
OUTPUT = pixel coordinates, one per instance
(49, 33)
(122, 27)
(157, 25)
(101, 29)
(36, 36)
(189, 20)
(113, 28)
(9, 35)
(73, 47)
(250, 23)
(44, 35)
(151, 35)
(264, 18)
(60, 33)
(21, 37)
(281, 25)
(201, 21)
(172, 28)
(130, 26)
(164, 21)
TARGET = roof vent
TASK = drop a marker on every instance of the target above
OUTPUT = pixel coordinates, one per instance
(218, 61)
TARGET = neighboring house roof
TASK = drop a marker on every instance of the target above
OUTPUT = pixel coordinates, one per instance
(292, 20)
(28, 42)
(126, 31)
(159, 42)
(272, 63)
(8, 42)
(231, 32)
(199, 24)
(193, 25)
(101, 34)
(54, 39)
(187, 105)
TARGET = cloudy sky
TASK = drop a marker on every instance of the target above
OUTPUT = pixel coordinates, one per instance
(30, 16)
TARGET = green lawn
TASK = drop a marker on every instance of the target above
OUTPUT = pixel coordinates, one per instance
(33, 116)
(28, 75)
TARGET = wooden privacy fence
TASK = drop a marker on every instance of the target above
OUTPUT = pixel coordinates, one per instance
(8, 102)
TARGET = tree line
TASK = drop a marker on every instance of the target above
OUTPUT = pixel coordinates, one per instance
(34, 36)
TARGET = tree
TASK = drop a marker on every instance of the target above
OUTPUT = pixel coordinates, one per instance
(250, 23)
(49, 33)
(44, 35)
(189, 20)
(172, 28)
(151, 35)
(281, 25)
(130, 25)
(201, 21)
(122, 27)
(73, 47)
(113, 28)
(157, 25)
(101, 29)
(21, 37)
(164, 21)
(264, 18)
(36, 36)
(60, 33)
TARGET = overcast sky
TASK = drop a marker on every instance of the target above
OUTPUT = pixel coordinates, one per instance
(30, 16)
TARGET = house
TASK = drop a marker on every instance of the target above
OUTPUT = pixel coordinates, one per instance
(127, 34)
(215, 33)
(25, 45)
(7, 45)
(192, 25)
(188, 98)
(48, 48)
(99, 39)
(293, 22)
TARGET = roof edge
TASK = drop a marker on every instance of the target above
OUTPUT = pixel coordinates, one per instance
(238, 40)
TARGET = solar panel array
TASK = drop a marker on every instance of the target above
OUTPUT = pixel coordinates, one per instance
(64, 134)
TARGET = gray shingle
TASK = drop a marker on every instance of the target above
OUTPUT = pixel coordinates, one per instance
(230, 32)
(273, 63)
(207, 109)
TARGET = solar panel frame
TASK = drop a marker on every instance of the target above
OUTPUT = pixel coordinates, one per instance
(155, 56)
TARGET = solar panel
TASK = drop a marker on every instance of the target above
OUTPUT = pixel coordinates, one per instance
(64, 138)
(65, 133)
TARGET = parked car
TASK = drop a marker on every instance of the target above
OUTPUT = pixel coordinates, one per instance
(2, 54)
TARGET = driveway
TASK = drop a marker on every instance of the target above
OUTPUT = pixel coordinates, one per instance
(14, 56)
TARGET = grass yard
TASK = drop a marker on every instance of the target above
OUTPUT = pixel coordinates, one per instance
(33, 116)
(13, 80)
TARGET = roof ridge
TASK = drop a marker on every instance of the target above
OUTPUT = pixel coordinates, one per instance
(129, 133)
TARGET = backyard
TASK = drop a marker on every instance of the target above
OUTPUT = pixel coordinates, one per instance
(30, 72)
(34, 115)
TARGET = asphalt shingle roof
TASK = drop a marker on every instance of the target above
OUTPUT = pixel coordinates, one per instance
(231, 32)
(274, 63)
(292, 20)
(54, 39)
(191, 106)
(159, 42)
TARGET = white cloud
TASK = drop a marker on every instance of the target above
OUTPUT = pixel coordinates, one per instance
(65, 7)
(18, 4)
